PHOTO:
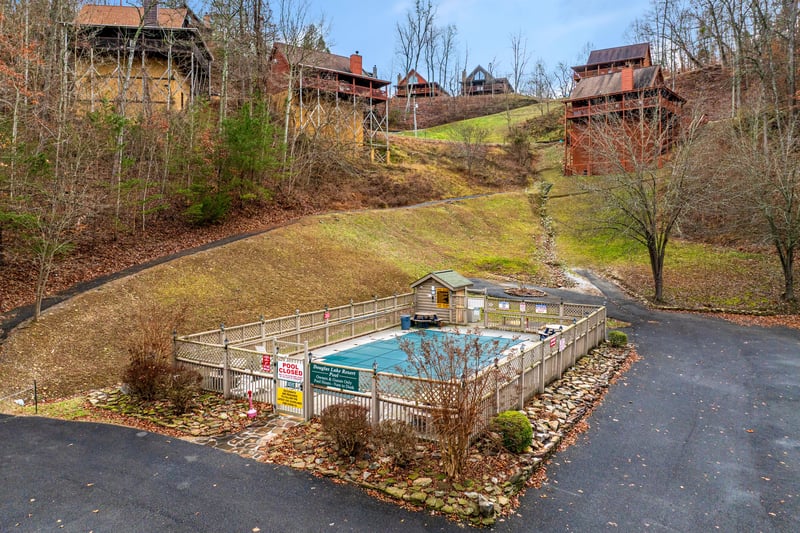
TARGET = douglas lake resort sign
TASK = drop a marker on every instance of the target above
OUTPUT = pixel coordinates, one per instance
(334, 377)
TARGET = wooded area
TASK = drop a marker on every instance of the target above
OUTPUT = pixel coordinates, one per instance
(92, 178)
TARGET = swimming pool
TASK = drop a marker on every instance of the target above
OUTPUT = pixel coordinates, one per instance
(389, 357)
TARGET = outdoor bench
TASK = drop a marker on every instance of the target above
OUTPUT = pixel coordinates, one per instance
(424, 320)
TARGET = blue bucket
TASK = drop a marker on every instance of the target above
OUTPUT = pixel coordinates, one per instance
(405, 321)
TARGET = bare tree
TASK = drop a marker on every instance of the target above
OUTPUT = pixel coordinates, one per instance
(452, 386)
(520, 57)
(763, 153)
(448, 70)
(639, 197)
(471, 141)
(765, 140)
(414, 36)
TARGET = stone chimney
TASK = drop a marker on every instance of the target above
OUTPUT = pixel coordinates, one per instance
(627, 79)
(355, 64)
(150, 13)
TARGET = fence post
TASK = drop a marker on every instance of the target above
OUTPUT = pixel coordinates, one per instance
(352, 319)
(375, 401)
(561, 309)
(226, 383)
(396, 315)
(522, 379)
(572, 356)
(542, 377)
(174, 347)
(496, 386)
(263, 332)
(375, 313)
(297, 325)
(485, 307)
(275, 380)
(308, 396)
(222, 333)
(326, 316)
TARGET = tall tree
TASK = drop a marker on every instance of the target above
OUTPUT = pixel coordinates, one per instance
(637, 196)
(414, 35)
(520, 57)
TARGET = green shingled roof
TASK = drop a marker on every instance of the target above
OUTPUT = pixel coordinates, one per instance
(449, 278)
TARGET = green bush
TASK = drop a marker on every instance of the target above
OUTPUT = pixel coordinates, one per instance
(617, 339)
(347, 425)
(516, 430)
(397, 439)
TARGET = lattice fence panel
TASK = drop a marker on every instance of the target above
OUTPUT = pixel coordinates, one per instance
(204, 353)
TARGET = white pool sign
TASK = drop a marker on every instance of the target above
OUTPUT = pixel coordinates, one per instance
(290, 371)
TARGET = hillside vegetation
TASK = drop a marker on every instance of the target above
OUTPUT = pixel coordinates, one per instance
(496, 126)
(319, 260)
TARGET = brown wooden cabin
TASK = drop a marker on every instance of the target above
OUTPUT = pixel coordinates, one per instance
(340, 76)
(609, 60)
(417, 86)
(171, 66)
(443, 293)
(633, 94)
(480, 81)
(332, 95)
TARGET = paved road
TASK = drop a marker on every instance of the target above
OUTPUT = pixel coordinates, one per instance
(701, 435)
(96, 477)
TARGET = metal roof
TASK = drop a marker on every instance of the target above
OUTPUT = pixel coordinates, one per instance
(323, 60)
(449, 278)
(643, 78)
(130, 16)
(618, 54)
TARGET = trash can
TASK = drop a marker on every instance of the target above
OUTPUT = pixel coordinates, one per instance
(405, 321)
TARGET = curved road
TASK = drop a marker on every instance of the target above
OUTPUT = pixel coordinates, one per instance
(700, 435)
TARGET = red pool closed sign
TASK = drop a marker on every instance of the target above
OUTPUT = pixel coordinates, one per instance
(290, 371)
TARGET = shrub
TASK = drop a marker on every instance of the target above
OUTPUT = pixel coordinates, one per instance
(146, 376)
(397, 439)
(617, 339)
(516, 430)
(183, 388)
(347, 425)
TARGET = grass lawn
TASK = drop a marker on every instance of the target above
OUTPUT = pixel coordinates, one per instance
(696, 275)
(496, 125)
(81, 344)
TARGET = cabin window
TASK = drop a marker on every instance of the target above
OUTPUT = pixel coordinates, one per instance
(442, 298)
(413, 80)
(479, 76)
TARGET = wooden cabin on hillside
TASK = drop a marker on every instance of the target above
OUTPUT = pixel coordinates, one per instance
(619, 86)
(140, 58)
(609, 60)
(330, 95)
(480, 81)
(417, 87)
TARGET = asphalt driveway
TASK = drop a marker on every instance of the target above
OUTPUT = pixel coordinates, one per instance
(701, 435)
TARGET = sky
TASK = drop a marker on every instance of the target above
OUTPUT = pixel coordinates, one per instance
(554, 30)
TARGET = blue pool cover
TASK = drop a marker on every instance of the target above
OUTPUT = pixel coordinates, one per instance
(390, 358)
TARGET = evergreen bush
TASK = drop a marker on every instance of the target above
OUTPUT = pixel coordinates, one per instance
(617, 339)
(516, 430)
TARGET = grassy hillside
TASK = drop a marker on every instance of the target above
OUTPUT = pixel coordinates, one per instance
(319, 260)
(696, 275)
(496, 124)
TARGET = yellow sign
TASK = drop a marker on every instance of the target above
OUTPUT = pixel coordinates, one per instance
(290, 398)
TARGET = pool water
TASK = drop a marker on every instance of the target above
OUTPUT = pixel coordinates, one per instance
(391, 358)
